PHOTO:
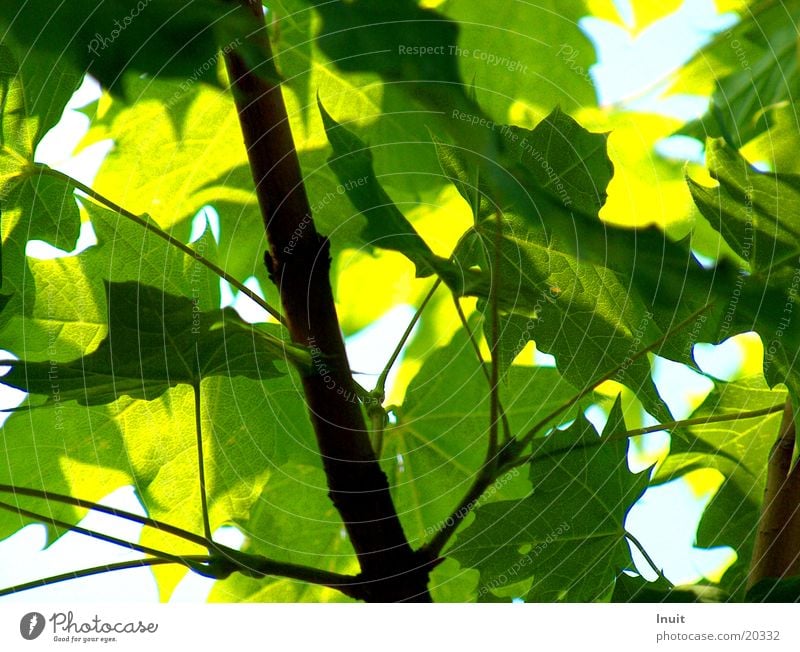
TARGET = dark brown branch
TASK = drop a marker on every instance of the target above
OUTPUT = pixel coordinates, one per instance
(298, 262)
(776, 553)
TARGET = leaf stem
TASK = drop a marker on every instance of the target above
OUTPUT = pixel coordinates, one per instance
(494, 338)
(201, 471)
(528, 437)
(374, 399)
(380, 385)
(256, 566)
(475, 347)
(698, 421)
(668, 425)
(88, 572)
(111, 511)
(93, 534)
(434, 547)
(637, 544)
(156, 230)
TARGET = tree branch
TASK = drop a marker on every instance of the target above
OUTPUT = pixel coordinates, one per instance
(776, 552)
(298, 262)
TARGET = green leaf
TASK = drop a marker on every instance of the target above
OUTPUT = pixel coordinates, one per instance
(757, 214)
(59, 310)
(637, 589)
(250, 430)
(438, 444)
(180, 140)
(166, 38)
(422, 61)
(554, 266)
(155, 341)
(775, 590)
(739, 449)
(293, 520)
(399, 41)
(568, 534)
(752, 66)
(33, 94)
(514, 69)
(386, 226)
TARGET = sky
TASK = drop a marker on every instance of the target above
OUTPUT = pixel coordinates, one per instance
(631, 71)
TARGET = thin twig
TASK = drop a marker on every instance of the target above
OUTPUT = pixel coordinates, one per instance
(477, 349)
(697, 421)
(93, 534)
(201, 469)
(208, 566)
(647, 557)
(528, 437)
(494, 337)
(258, 567)
(156, 230)
(94, 570)
(669, 425)
(111, 511)
(380, 385)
